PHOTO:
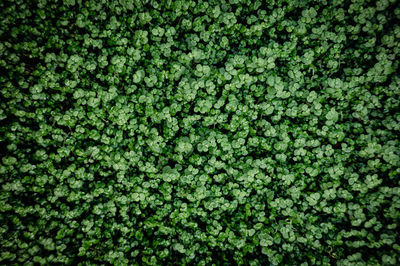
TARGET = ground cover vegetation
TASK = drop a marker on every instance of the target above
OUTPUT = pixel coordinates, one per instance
(199, 132)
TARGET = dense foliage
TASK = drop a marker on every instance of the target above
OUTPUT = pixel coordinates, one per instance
(192, 132)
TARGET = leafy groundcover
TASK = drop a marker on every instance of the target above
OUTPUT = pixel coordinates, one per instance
(224, 132)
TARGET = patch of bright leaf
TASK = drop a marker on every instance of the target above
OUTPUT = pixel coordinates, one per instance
(200, 132)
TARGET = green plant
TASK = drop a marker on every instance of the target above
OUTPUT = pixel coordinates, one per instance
(199, 132)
